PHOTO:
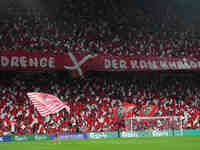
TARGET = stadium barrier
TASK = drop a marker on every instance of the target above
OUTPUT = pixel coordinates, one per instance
(98, 135)
(5, 138)
(191, 132)
(149, 133)
(71, 136)
(31, 137)
(154, 133)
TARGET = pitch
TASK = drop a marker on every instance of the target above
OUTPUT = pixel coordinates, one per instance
(149, 143)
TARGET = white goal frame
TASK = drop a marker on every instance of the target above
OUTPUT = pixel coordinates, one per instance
(171, 119)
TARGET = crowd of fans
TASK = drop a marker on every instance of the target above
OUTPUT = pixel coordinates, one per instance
(92, 100)
(103, 27)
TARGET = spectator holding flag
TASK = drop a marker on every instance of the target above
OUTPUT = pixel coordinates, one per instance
(47, 104)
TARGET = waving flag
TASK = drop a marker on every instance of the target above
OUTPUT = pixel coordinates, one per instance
(46, 104)
(124, 111)
(148, 111)
(128, 112)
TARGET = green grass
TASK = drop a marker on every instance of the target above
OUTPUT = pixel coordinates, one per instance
(150, 143)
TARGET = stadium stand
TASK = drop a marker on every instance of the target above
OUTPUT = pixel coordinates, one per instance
(104, 28)
(97, 31)
(91, 100)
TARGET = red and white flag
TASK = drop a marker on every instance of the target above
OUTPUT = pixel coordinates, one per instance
(128, 109)
(148, 111)
(47, 104)
(124, 111)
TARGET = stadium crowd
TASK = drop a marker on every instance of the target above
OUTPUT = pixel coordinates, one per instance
(92, 100)
(105, 28)
(99, 27)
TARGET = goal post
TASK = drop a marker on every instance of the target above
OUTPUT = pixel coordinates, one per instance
(153, 126)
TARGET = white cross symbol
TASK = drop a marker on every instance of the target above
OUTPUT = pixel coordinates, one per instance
(77, 65)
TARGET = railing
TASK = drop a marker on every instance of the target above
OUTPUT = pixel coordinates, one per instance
(96, 135)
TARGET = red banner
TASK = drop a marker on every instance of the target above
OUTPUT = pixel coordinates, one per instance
(115, 63)
(22, 60)
(36, 61)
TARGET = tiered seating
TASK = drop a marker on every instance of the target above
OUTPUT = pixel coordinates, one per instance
(95, 30)
(92, 101)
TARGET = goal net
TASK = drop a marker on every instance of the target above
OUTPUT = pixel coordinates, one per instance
(153, 126)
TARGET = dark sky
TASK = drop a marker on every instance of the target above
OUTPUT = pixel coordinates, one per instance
(187, 9)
